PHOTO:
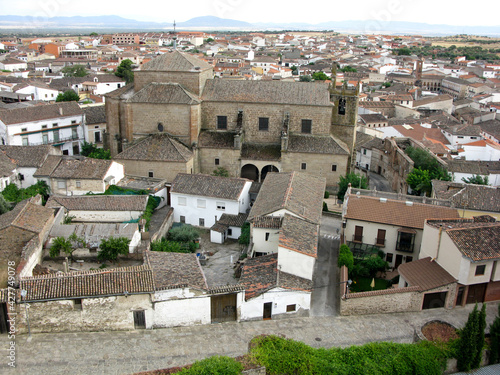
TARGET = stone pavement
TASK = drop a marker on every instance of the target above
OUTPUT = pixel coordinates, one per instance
(126, 352)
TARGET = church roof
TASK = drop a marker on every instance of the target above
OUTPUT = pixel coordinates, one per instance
(177, 62)
(299, 93)
(156, 147)
(164, 93)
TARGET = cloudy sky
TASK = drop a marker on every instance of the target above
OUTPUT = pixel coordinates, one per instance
(428, 11)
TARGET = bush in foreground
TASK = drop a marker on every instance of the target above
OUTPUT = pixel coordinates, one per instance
(216, 365)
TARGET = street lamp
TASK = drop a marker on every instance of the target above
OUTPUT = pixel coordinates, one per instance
(24, 293)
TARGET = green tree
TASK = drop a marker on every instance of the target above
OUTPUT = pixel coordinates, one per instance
(209, 40)
(94, 34)
(166, 246)
(220, 172)
(112, 247)
(319, 76)
(90, 150)
(74, 71)
(404, 51)
(345, 257)
(294, 70)
(481, 326)
(306, 78)
(244, 238)
(60, 244)
(476, 179)
(68, 96)
(420, 181)
(4, 206)
(13, 194)
(374, 264)
(348, 68)
(387, 84)
(355, 180)
(124, 71)
(495, 339)
(469, 346)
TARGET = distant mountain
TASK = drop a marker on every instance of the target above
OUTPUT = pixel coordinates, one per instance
(211, 23)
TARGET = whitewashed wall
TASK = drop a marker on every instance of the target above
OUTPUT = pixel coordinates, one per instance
(295, 263)
(253, 308)
(260, 244)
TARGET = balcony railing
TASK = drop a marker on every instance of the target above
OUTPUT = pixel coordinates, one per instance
(406, 247)
(60, 140)
(380, 242)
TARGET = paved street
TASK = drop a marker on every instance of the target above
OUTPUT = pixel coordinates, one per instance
(133, 351)
(378, 182)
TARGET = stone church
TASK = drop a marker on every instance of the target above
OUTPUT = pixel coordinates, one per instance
(176, 117)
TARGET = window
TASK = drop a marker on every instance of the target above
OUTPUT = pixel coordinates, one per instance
(473, 137)
(54, 125)
(380, 240)
(221, 206)
(25, 141)
(460, 136)
(201, 203)
(44, 126)
(73, 121)
(97, 137)
(263, 123)
(229, 232)
(217, 161)
(74, 133)
(364, 151)
(183, 219)
(291, 308)
(341, 110)
(202, 222)
(55, 133)
(151, 174)
(181, 201)
(334, 167)
(221, 122)
(24, 129)
(358, 234)
(388, 258)
(78, 184)
(61, 184)
(303, 166)
(45, 139)
(267, 236)
(77, 304)
(405, 241)
(306, 126)
(480, 270)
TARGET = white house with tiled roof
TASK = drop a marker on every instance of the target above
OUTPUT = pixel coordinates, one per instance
(59, 125)
(201, 200)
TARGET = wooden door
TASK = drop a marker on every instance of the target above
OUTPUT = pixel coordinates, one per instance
(399, 260)
(139, 319)
(268, 311)
(476, 293)
(223, 308)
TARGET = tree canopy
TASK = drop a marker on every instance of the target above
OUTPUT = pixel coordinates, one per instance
(90, 150)
(74, 71)
(14, 194)
(112, 247)
(426, 169)
(319, 76)
(68, 96)
(124, 71)
(476, 179)
(355, 180)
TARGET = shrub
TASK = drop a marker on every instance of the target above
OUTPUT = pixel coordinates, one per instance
(60, 244)
(345, 257)
(217, 365)
(112, 247)
(327, 194)
(374, 264)
(244, 238)
(184, 233)
(169, 246)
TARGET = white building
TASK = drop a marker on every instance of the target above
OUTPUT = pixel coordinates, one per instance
(58, 124)
(39, 91)
(201, 200)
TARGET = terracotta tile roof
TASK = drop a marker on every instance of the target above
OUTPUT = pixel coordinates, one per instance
(7, 167)
(28, 156)
(208, 186)
(99, 202)
(156, 147)
(40, 113)
(373, 118)
(299, 193)
(48, 166)
(299, 235)
(87, 168)
(164, 93)
(271, 222)
(172, 270)
(469, 196)
(216, 139)
(432, 99)
(395, 212)
(315, 144)
(118, 281)
(27, 216)
(419, 132)
(95, 115)
(176, 61)
(233, 220)
(279, 92)
(425, 273)
(477, 241)
(473, 167)
(260, 275)
(261, 151)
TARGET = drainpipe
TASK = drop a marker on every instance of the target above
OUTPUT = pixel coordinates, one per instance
(439, 240)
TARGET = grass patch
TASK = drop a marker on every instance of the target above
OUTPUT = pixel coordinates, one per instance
(362, 284)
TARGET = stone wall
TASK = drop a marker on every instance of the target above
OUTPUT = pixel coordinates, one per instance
(166, 170)
(228, 159)
(86, 185)
(320, 116)
(193, 81)
(95, 314)
(316, 164)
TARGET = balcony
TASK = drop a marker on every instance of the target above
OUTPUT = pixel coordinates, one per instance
(380, 242)
(357, 238)
(59, 141)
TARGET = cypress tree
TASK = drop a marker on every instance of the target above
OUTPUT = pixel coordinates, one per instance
(466, 349)
(479, 337)
(495, 339)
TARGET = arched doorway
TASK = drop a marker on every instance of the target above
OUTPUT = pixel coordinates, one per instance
(250, 172)
(266, 170)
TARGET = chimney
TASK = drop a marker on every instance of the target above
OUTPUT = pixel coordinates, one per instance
(60, 111)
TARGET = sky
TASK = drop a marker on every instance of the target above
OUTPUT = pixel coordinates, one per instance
(254, 11)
